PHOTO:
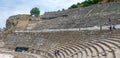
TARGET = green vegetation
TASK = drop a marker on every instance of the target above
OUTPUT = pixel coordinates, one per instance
(35, 11)
(73, 6)
(90, 2)
(84, 3)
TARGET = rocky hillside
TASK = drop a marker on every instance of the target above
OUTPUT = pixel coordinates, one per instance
(94, 15)
(19, 21)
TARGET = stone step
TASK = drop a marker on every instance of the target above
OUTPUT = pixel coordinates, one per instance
(101, 48)
(101, 51)
(64, 52)
(51, 54)
(71, 51)
(95, 51)
(61, 55)
(88, 49)
(83, 50)
(108, 49)
(115, 43)
(115, 50)
(79, 51)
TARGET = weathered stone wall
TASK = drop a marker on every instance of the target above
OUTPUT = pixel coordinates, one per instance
(48, 40)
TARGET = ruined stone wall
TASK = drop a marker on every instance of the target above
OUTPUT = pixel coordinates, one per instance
(12, 21)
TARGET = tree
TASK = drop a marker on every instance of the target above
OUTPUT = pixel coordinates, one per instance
(35, 11)
(85, 3)
(90, 2)
(78, 3)
(73, 6)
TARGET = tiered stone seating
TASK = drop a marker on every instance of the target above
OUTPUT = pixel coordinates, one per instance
(82, 17)
(108, 7)
(100, 48)
(90, 21)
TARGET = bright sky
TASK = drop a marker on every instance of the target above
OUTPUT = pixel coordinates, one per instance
(14, 7)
